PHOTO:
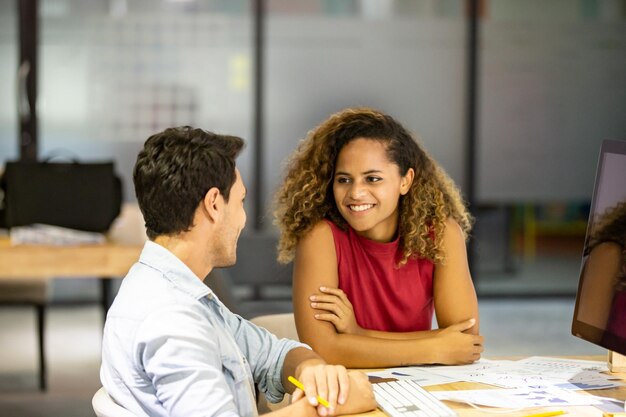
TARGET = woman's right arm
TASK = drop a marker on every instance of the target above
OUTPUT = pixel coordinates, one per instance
(316, 266)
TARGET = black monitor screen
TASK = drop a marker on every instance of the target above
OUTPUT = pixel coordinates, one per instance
(600, 313)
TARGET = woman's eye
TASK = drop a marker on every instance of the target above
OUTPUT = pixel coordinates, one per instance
(343, 180)
(374, 179)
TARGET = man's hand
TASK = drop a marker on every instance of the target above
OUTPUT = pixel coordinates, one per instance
(346, 391)
(330, 382)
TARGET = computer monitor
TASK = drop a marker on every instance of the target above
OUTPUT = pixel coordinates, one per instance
(600, 312)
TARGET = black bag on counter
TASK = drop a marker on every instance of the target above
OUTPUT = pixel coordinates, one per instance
(81, 196)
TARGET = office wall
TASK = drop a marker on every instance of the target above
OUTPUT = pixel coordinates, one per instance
(552, 87)
(405, 58)
(113, 73)
(552, 80)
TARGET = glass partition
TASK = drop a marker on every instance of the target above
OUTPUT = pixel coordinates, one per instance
(406, 58)
(9, 55)
(552, 86)
(115, 72)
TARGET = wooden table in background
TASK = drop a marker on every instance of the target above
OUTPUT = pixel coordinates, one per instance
(31, 262)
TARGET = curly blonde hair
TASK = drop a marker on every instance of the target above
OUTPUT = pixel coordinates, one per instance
(306, 195)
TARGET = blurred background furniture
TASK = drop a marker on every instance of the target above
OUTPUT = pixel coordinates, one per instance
(258, 284)
(27, 270)
(283, 325)
(35, 293)
(30, 262)
(257, 266)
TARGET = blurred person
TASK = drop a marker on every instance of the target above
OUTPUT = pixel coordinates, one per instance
(604, 274)
(170, 347)
(377, 233)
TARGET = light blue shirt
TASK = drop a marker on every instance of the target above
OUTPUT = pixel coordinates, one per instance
(171, 348)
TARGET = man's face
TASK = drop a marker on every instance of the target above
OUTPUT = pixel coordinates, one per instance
(232, 223)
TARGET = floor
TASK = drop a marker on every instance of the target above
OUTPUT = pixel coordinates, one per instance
(510, 327)
(73, 352)
(543, 277)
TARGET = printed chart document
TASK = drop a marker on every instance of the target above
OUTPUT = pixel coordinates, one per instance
(421, 376)
(517, 398)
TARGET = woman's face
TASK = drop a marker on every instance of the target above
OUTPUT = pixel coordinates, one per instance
(367, 188)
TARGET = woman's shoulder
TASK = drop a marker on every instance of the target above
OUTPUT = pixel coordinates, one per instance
(318, 242)
(452, 230)
(320, 232)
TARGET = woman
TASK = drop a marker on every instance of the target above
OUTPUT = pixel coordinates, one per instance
(377, 232)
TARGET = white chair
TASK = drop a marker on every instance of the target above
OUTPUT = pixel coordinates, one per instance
(104, 406)
(283, 326)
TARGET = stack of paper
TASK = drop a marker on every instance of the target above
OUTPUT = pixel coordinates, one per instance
(43, 234)
(531, 382)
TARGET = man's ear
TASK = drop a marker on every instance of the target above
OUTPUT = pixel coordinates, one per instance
(212, 204)
(406, 181)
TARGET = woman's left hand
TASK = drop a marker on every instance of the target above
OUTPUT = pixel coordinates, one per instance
(339, 310)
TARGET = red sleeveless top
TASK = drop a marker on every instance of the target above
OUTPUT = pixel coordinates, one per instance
(384, 297)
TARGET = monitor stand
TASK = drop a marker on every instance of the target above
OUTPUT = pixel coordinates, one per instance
(616, 362)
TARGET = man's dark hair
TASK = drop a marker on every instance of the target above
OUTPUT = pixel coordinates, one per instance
(174, 171)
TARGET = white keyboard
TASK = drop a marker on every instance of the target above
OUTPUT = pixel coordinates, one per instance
(405, 398)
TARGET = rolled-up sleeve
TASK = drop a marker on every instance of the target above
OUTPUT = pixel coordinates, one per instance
(180, 355)
(265, 352)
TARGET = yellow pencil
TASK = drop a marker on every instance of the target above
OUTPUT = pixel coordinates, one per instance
(547, 414)
(298, 384)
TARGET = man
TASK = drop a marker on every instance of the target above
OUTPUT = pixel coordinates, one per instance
(170, 347)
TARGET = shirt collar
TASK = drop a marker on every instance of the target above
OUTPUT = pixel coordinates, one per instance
(157, 257)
